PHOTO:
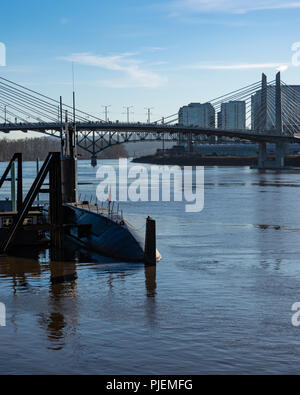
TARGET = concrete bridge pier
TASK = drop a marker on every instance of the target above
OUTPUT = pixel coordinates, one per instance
(262, 155)
(281, 150)
(279, 161)
(94, 161)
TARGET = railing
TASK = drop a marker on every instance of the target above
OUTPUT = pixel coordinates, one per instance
(100, 209)
(51, 165)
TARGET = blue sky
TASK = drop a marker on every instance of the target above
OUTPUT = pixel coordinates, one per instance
(147, 53)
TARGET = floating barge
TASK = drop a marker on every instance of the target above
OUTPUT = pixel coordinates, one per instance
(31, 232)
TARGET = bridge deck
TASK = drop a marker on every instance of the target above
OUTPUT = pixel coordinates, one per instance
(158, 130)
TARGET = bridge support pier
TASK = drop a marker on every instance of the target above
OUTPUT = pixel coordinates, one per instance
(281, 149)
(94, 161)
(278, 162)
(262, 155)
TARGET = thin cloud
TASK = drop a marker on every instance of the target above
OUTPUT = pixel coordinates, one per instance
(229, 6)
(20, 69)
(135, 75)
(64, 21)
(243, 66)
(155, 49)
(158, 63)
(283, 67)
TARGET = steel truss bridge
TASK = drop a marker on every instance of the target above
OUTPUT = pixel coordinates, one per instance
(275, 120)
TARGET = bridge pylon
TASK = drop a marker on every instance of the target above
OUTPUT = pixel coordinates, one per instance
(280, 147)
(264, 102)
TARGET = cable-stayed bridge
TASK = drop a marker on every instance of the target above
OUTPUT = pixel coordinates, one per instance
(271, 114)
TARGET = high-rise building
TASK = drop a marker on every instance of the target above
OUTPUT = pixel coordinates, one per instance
(197, 114)
(289, 93)
(232, 115)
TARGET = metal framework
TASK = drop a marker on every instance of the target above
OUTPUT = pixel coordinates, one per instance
(52, 167)
(26, 110)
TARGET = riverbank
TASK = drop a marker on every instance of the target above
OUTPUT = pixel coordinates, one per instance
(291, 160)
(39, 147)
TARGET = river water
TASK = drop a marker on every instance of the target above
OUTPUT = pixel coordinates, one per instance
(218, 302)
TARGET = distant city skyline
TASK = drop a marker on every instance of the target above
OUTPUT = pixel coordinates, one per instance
(158, 55)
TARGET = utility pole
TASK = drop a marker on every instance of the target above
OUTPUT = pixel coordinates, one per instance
(149, 113)
(61, 124)
(74, 109)
(61, 110)
(128, 112)
(163, 136)
(5, 115)
(106, 112)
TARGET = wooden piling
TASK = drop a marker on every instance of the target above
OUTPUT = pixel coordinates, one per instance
(150, 242)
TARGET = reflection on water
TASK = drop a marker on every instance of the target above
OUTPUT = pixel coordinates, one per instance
(54, 324)
(62, 282)
(150, 275)
(25, 272)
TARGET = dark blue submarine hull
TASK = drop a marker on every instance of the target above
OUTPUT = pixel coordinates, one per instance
(97, 230)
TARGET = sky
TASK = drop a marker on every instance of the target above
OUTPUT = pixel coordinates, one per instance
(147, 53)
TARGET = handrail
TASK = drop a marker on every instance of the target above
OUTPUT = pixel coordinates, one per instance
(29, 200)
(17, 156)
(5, 174)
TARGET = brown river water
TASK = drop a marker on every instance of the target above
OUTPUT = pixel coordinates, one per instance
(218, 302)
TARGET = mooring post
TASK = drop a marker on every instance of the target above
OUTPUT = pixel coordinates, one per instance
(56, 212)
(150, 242)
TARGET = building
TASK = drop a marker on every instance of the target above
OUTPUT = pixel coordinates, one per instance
(232, 115)
(197, 114)
(289, 93)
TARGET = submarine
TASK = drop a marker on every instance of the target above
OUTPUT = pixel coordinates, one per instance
(96, 228)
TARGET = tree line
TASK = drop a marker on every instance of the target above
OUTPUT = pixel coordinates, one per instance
(39, 147)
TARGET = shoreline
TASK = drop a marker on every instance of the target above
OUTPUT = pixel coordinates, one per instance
(291, 160)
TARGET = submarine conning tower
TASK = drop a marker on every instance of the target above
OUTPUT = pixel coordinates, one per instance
(69, 162)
